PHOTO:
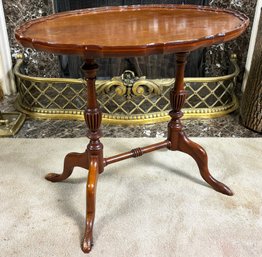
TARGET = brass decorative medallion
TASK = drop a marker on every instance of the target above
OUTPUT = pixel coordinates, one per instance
(126, 99)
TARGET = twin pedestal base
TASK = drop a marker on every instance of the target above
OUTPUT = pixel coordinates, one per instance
(93, 160)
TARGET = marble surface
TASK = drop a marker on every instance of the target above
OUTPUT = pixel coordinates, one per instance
(17, 12)
(217, 56)
(227, 126)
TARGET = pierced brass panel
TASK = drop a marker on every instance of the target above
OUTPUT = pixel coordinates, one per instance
(126, 99)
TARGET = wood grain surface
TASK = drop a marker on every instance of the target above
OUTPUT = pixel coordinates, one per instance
(132, 30)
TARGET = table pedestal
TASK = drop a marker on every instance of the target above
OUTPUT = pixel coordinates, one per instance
(93, 160)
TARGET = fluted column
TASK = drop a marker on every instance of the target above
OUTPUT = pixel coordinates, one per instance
(93, 115)
(177, 99)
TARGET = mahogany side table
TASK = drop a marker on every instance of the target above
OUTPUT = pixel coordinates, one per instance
(124, 32)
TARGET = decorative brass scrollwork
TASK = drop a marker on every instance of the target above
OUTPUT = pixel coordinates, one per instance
(129, 85)
(107, 86)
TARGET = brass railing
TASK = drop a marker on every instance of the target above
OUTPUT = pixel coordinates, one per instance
(126, 99)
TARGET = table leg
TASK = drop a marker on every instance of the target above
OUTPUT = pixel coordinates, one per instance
(71, 160)
(92, 158)
(176, 136)
(90, 203)
(93, 118)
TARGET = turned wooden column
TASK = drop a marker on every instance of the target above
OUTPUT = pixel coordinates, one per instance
(93, 115)
(177, 99)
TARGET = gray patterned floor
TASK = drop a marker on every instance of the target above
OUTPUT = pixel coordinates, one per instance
(227, 126)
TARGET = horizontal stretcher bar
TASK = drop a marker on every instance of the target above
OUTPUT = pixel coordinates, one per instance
(136, 152)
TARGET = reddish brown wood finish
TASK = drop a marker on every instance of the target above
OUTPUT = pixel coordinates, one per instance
(90, 202)
(132, 30)
(137, 152)
(92, 158)
(178, 139)
(93, 115)
(71, 160)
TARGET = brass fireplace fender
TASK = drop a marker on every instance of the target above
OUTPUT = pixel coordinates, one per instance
(154, 86)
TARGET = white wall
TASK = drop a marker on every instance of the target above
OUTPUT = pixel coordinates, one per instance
(6, 74)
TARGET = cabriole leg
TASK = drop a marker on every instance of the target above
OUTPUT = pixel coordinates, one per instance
(71, 160)
(90, 203)
(178, 139)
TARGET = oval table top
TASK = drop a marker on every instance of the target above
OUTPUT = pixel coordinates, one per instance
(124, 31)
